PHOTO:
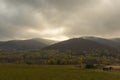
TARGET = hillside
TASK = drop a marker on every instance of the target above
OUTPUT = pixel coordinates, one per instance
(25, 44)
(115, 43)
(116, 40)
(85, 44)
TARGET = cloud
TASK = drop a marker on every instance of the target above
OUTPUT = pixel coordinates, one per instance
(36, 18)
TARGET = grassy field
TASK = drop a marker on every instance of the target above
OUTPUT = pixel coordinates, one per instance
(45, 72)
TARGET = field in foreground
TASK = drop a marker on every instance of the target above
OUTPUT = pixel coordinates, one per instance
(50, 72)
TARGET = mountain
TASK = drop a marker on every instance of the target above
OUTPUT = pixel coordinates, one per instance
(75, 44)
(83, 44)
(116, 40)
(45, 41)
(35, 43)
(115, 43)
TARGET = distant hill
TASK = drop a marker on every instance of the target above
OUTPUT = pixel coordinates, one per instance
(109, 42)
(45, 41)
(85, 44)
(116, 40)
(75, 44)
(35, 43)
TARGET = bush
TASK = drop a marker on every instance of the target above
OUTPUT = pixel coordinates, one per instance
(90, 66)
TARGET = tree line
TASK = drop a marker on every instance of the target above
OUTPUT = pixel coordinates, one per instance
(54, 57)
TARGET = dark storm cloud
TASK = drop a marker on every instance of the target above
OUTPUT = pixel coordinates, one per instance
(59, 18)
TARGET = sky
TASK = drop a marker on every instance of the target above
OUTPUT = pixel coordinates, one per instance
(59, 19)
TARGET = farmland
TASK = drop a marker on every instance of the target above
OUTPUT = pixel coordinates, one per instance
(53, 72)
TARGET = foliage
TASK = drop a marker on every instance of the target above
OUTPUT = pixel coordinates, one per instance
(54, 57)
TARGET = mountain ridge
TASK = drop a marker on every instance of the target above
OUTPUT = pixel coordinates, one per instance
(85, 44)
(35, 43)
(75, 44)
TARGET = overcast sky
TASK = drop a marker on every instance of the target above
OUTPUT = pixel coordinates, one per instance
(59, 19)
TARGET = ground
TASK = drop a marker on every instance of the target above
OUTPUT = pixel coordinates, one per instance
(53, 72)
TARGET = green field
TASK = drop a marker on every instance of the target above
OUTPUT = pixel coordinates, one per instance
(56, 72)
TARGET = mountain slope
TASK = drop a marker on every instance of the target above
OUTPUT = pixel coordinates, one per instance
(116, 40)
(25, 44)
(108, 42)
(45, 41)
(79, 44)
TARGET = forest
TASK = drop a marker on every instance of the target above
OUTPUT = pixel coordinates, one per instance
(93, 59)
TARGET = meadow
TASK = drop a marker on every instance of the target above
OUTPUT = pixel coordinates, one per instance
(53, 72)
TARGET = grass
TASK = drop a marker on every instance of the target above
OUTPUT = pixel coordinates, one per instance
(50, 72)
